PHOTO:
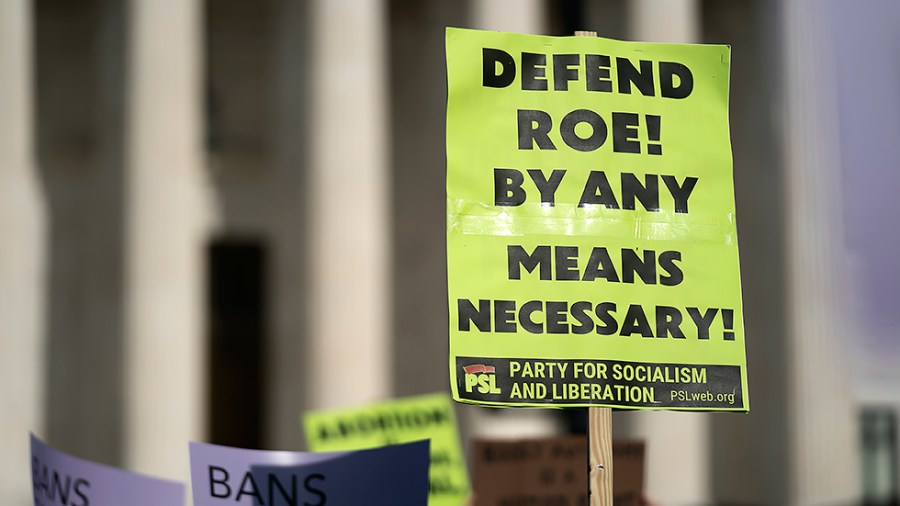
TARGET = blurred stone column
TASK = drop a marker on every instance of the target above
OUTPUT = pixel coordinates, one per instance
(520, 16)
(21, 257)
(347, 198)
(671, 436)
(285, 382)
(418, 105)
(164, 350)
(823, 420)
(664, 21)
(528, 17)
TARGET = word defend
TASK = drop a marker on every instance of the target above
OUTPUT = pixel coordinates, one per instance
(671, 79)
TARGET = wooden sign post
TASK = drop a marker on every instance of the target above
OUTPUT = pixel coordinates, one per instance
(600, 456)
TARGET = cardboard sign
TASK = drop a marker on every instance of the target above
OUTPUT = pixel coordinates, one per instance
(409, 419)
(60, 479)
(533, 471)
(592, 247)
(396, 475)
(550, 471)
(628, 473)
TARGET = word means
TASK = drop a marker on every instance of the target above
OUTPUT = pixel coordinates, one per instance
(499, 71)
(562, 265)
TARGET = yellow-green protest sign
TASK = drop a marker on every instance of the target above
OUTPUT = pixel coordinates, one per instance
(399, 421)
(592, 247)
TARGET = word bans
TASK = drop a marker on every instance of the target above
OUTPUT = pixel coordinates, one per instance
(267, 488)
(58, 487)
(665, 78)
(605, 318)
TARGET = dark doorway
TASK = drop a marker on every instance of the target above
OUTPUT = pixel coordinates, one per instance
(879, 456)
(236, 307)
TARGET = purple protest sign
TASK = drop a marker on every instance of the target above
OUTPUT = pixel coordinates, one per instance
(60, 479)
(395, 475)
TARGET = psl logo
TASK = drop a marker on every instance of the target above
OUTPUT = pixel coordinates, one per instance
(482, 377)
